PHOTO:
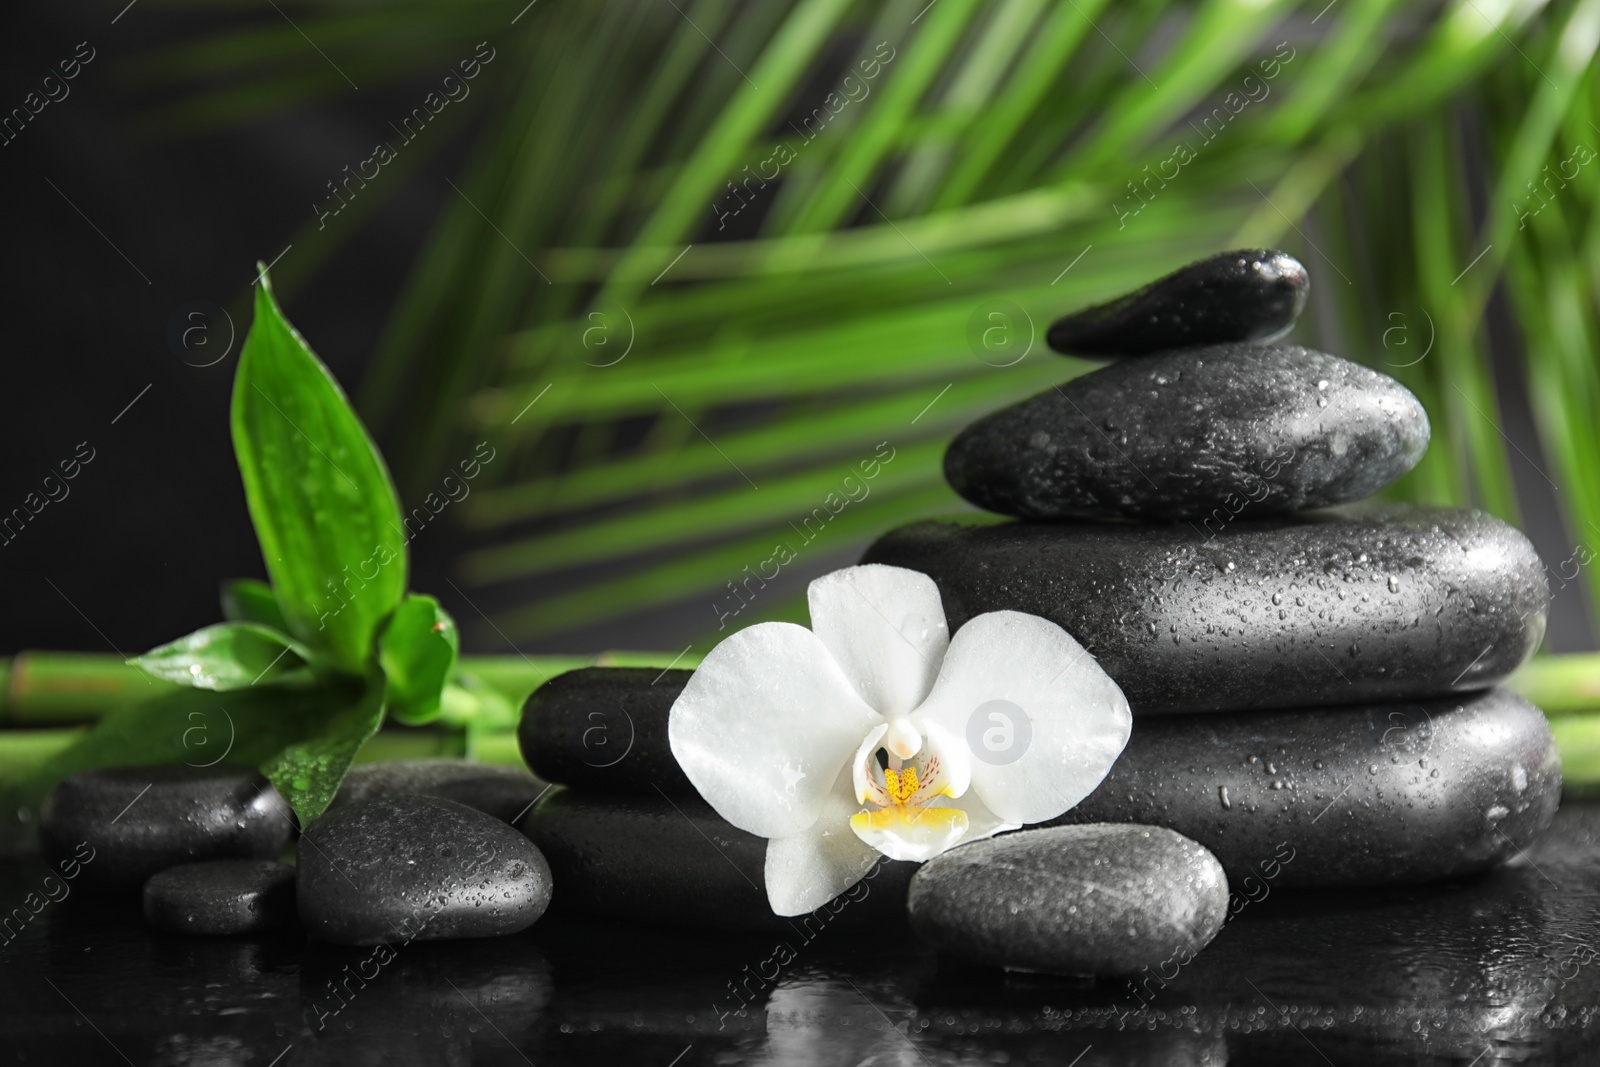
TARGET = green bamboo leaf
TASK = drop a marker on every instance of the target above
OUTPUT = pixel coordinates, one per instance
(308, 772)
(193, 726)
(227, 655)
(325, 512)
(417, 652)
(252, 600)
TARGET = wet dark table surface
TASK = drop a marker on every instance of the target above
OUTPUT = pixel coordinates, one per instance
(1501, 968)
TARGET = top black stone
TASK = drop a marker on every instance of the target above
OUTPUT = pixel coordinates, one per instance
(1245, 295)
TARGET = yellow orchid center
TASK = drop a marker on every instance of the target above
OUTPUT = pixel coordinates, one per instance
(900, 785)
(902, 821)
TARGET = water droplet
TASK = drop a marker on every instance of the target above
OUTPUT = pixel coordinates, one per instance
(1316, 764)
(1372, 768)
(1394, 584)
(1322, 402)
(1277, 598)
(1222, 794)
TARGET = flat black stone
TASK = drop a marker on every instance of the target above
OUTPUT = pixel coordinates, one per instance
(1093, 899)
(1376, 603)
(124, 824)
(221, 897)
(398, 869)
(504, 792)
(1245, 295)
(1372, 795)
(654, 859)
(1206, 434)
(605, 728)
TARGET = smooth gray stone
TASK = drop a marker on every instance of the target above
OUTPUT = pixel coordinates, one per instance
(1346, 606)
(221, 897)
(1092, 899)
(605, 728)
(398, 869)
(655, 859)
(124, 824)
(1250, 294)
(1374, 795)
(504, 792)
(1205, 434)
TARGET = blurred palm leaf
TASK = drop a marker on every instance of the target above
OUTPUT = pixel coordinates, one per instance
(682, 355)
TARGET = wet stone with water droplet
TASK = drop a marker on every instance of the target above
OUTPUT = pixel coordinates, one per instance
(1205, 434)
(504, 792)
(1243, 295)
(1159, 609)
(136, 821)
(1095, 899)
(403, 868)
(1375, 794)
(221, 897)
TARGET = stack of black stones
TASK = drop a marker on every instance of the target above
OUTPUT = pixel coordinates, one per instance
(1312, 677)
(1313, 683)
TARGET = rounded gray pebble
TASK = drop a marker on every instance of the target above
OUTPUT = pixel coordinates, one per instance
(221, 897)
(405, 868)
(1205, 434)
(1100, 899)
(124, 824)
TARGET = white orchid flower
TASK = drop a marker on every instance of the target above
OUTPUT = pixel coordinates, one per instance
(876, 733)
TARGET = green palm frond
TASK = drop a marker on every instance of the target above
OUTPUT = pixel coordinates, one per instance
(682, 354)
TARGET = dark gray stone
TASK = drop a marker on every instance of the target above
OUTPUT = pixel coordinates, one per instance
(1205, 434)
(605, 728)
(1374, 603)
(1245, 295)
(654, 859)
(124, 824)
(1092, 899)
(221, 897)
(1372, 795)
(504, 792)
(398, 869)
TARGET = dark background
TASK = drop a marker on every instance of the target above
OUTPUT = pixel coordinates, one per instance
(133, 555)
(111, 235)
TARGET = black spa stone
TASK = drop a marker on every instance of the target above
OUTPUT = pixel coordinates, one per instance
(125, 824)
(1359, 796)
(404, 868)
(1203, 434)
(1375, 603)
(1098, 899)
(504, 792)
(1245, 295)
(605, 728)
(674, 861)
(220, 897)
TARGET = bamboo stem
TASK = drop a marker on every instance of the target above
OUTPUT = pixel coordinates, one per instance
(52, 688)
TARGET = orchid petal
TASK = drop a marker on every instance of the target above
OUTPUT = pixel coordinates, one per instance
(806, 870)
(981, 822)
(1069, 718)
(866, 786)
(886, 628)
(947, 769)
(765, 725)
(916, 834)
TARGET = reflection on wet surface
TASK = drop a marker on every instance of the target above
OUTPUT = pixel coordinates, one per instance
(1503, 968)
